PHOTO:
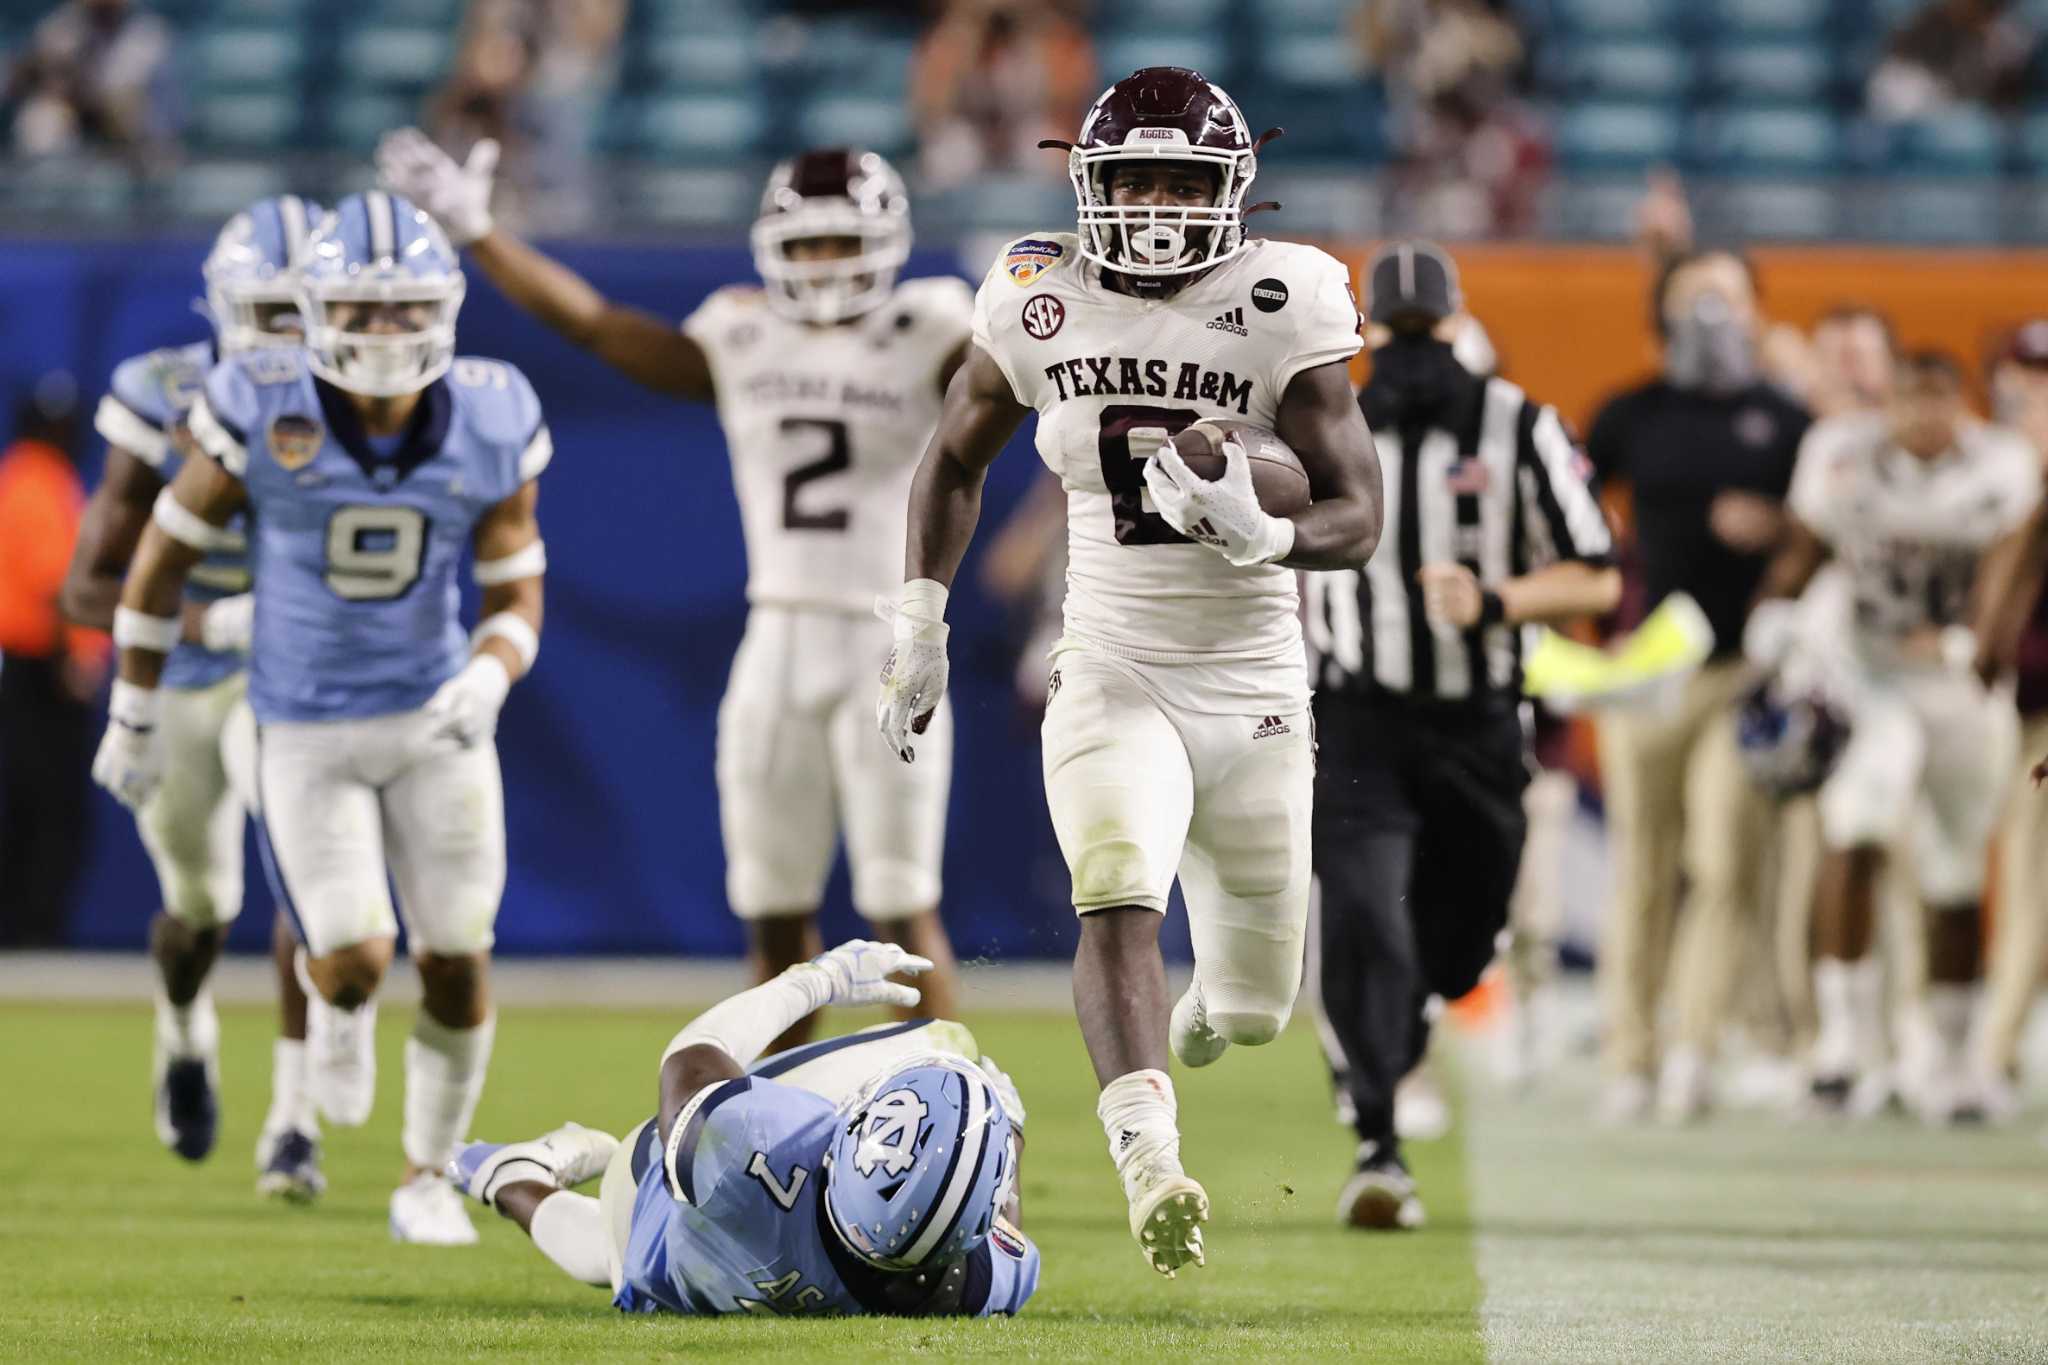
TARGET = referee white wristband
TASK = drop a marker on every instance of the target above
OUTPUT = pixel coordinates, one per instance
(515, 630)
(188, 528)
(139, 630)
(530, 562)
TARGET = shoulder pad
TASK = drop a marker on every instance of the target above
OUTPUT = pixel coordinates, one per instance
(503, 411)
(1027, 258)
(936, 298)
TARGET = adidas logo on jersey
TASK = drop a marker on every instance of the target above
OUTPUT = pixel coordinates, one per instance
(1231, 321)
(1271, 726)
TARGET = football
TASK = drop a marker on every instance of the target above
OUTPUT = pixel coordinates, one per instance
(1277, 475)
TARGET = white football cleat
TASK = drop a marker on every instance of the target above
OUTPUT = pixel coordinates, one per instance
(1167, 1214)
(1683, 1087)
(1420, 1111)
(1189, 1034)
(427, 1210)
(341, 1060)
(1624, 1100)
(564, 1159)
(1381, 1193)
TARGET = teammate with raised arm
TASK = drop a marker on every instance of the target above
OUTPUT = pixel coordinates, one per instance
(828, 379)
(870, 1174)
(192, 825)
(368, 463)
(1177, 735)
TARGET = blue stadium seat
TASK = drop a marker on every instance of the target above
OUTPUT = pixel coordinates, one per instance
(357, 118)
(1347, 125)
(1156, 16)
(1328, 18)
(699, 127)
(1965, 213)
(1304, 61)
(1770, 141)
(882, 125)
(1775, 211)
(249, 11)
(1119, 57)
(713, 198)
(1615, 18)
(1772, 71)
(2030, 143)
(214, 190)
(1767, 18)
(864, 64)
(242, 56)
(699, 16)
(1644, 69)
(702, 61)
(1617, 136)
(387, 56)
(1963, 142)
(248, 120)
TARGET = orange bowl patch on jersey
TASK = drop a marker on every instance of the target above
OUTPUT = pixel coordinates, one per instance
(1030, 258)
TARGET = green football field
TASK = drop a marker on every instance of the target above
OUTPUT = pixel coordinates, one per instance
(1549, 1240)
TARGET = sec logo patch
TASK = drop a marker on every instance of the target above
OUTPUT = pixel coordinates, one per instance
(1043, 316)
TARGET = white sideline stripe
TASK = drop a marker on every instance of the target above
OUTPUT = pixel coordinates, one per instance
(666, 983)
(120, 425)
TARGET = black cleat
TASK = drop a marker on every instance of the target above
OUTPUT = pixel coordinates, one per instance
(187, 1109)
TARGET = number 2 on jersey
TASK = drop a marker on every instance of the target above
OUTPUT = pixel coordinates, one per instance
(837, 458)
(1130, 433)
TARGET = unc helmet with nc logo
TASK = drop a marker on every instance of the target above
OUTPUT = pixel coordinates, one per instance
(248, 272)
(922, 1166)
(378, 259)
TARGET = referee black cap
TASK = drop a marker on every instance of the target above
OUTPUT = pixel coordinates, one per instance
(1412, 280)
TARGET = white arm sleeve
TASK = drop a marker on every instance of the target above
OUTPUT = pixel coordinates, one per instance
(743, 1026)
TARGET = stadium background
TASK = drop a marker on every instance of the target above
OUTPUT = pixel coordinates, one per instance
(614, 835)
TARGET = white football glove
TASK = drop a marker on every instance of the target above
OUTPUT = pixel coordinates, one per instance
(857, 972)
(456, 196)
(224, 626)
(914, 675)
(1223, 514)
(130, 761)
(1006, 1091)
(1771, 632)
(466, 708)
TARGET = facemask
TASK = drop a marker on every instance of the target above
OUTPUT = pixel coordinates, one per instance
(1422, 372)
(1709, 350)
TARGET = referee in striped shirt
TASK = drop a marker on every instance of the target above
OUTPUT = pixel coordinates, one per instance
(1418, 817)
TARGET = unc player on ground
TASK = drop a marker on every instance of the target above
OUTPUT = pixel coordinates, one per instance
(875, 1173)
(367, 463)
(1177, 735)
(1915, 503)
(828, 380)
(192, 826)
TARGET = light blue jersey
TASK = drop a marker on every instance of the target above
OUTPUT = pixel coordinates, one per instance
(745, 1233)
(143, 413)
(355, 542)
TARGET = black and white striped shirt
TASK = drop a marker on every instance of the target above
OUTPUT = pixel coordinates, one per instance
(1494, 483)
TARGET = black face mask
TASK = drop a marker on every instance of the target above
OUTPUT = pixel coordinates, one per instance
(1420, 372)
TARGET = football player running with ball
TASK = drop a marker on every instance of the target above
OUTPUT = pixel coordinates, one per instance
(828, 379)
(1177, 735)
(367, 463)
(870, 1174)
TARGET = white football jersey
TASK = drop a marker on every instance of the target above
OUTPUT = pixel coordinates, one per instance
(1910, 532)
(825, 427)
(1112, 377)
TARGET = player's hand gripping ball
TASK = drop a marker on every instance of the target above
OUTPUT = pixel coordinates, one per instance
(1230, 486)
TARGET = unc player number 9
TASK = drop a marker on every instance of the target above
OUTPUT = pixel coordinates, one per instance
(374, 553)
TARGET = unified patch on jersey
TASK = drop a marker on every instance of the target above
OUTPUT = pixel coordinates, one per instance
(1031, 258)
(295, 440)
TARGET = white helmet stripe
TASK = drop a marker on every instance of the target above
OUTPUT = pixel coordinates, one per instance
(292, 211)
(964, 1173)
(383, 225)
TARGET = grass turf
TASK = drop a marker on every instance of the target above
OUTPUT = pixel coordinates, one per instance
(111, 1248)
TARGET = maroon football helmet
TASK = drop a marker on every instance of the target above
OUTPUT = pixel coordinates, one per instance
(1163, 113)
(832, 192)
